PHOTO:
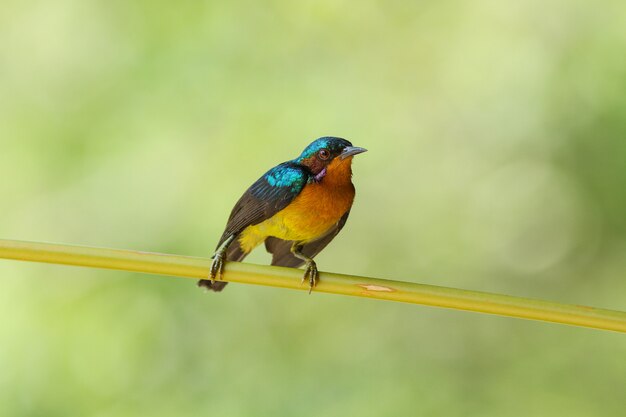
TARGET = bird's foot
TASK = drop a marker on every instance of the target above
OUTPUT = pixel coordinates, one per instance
(311, 273)
(217, 266)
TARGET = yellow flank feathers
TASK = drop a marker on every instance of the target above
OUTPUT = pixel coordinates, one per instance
(317, 208)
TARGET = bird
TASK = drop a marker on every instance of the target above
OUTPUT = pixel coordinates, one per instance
(295, 208)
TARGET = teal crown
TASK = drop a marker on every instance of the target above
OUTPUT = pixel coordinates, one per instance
(333, 144)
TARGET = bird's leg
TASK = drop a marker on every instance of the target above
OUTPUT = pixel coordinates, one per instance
(311, 267)
(219, 259)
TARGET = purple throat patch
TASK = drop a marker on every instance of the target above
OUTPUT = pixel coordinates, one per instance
(321, 175)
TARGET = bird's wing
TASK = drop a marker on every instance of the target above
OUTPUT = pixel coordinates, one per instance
(267, 196)
(281, 249)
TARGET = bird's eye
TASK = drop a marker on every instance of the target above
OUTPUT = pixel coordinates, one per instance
(324, 154)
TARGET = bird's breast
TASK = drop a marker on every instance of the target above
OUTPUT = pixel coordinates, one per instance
(310, 216)
(317, 209)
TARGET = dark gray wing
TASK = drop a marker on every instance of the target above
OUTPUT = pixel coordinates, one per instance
(281, 249)
(267, 196)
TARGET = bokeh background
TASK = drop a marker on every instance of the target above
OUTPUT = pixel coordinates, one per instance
(497, 138)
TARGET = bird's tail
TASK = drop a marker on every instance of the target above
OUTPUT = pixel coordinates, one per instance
(234, 254)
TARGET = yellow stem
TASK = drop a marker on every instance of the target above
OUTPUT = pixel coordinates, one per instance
(408, 292)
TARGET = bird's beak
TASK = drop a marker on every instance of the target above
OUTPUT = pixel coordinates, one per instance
(351, 151)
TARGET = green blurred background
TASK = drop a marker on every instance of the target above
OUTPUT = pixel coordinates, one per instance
(497, 162)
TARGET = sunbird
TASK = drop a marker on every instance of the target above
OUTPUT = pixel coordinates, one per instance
(296, 208)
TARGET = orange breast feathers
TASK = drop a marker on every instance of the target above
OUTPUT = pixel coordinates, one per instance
(317, 208)
(320, 205)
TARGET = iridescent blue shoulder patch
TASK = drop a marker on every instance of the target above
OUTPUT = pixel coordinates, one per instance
(286, 176)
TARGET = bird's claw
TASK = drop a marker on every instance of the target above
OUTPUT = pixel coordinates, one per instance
(217, 267)
(311, 273)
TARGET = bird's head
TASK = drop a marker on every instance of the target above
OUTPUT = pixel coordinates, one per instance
(328, 154)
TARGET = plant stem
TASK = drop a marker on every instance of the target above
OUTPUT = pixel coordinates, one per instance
(408, 292)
